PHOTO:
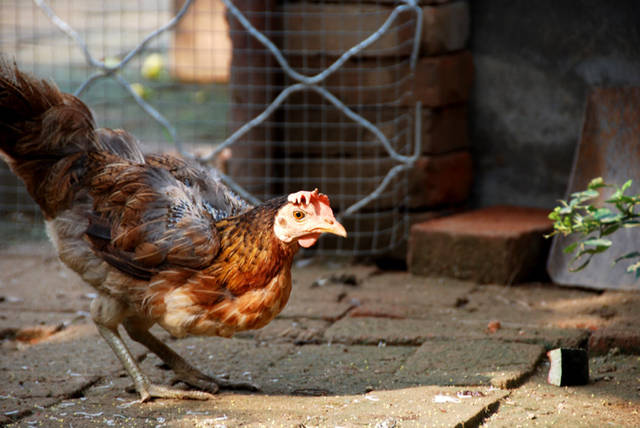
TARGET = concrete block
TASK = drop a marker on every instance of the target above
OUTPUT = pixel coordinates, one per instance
(501, 244)
(445, 28)
(330, 28)
(444, 79)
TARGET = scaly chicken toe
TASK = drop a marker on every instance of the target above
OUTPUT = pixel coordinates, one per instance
(159, 391)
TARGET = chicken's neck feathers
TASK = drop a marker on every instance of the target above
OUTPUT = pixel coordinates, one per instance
(250, 253)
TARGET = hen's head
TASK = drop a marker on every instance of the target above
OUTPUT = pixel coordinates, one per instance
(304, 217)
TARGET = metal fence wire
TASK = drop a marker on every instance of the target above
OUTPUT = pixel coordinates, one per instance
(278, 95)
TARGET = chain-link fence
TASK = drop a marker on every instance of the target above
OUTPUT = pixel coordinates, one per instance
(280, 96)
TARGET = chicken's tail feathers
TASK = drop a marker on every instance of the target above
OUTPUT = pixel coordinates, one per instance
(44, 136)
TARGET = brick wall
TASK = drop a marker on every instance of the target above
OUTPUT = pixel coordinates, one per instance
(309, 143)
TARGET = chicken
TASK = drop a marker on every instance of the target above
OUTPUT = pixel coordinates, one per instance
(160, 238)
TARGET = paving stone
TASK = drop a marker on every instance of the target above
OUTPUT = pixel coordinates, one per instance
(472, 362)
(501, 244)
(316, 369)
(401, 295)
(445, 28)
(239, 359)
(383, 327)
(373, 331)
(14, 409)
(549, 338)
(56, 369)
(289, 330)
(20, 271)
(316, 302)
(14, 321)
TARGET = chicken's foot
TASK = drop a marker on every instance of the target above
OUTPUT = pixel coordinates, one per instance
(146, 389)
(184, 372)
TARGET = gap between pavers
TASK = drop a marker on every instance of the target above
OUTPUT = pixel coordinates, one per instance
(414, 332)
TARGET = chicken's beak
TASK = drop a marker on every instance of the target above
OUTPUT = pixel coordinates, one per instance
(332, 226)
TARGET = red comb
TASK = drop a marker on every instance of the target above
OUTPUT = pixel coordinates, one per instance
(305, 197)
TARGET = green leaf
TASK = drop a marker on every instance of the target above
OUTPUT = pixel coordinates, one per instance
(585, 195)
(596, 183)
(634, 268)
(611, 218)
(565, 210)
(582, 266)
(610, 229)
(601, 213)
(619, 193)
(631, 255)
(598, 243)
(626, 185)
(570, 248)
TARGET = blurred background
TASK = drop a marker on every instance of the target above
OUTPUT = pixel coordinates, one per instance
(502, 86)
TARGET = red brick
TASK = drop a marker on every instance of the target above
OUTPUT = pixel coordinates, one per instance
(438, 80)
(445, 28)
(331, 133)
(444, 79)
(334, 28)
(501, 244)
(626, 340)
(441, 180)
(433, 181)
(252, 79)
(373, 81)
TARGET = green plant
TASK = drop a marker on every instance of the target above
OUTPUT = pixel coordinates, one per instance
(594, 225)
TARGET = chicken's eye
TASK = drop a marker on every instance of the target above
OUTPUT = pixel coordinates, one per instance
(298, 215)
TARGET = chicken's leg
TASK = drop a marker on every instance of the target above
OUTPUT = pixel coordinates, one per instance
(104, 311)
(184, 372)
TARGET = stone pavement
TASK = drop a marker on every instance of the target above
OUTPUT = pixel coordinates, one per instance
(355, 346)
